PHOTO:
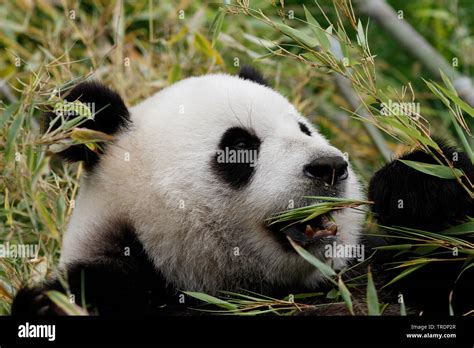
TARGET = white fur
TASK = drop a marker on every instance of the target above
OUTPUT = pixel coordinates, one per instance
(188, 220)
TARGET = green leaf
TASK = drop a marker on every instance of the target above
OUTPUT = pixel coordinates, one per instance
(447, 82)
(346, 295)
(313, 58)
(403, 310)
(437, 93)
(325, 269)
(211, 300)
(426, 249)
(456, 100)
(443, 172)
(317, 30)
(89, 137)
(332, 294)
(407, 131)
(395, 247)
(7, 114)
(405, 273)
(372, 299)
(360, 34)
(201, 42)
(465, 228)
(62, 301)
(297, 35)
(12, 134)
(463, 270)
(174, 74)
(216, 25)
(304, 295)
(441, 92)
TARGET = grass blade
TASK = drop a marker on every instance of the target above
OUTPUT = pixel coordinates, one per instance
(372, 299)
(325, 269)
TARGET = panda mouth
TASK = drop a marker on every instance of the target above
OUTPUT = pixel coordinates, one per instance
(306, 233)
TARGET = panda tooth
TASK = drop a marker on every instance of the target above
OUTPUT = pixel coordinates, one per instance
(329, 225)
(322, 233)
(332, 227)
(309, 232)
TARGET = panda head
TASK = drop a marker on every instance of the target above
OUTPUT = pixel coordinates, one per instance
(197, 170)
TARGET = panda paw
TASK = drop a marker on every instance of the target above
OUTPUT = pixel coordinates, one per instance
(406, 197)
(32, 302)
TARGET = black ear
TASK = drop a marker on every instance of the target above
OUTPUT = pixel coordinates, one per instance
(110, 116)
(406, 197)
(250, 73)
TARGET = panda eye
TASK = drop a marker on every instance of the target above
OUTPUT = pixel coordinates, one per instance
(304, 128)
(239, 139)
(241, 144)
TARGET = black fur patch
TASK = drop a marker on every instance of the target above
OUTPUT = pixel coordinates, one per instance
(237, 175)
(120, 280)
(250, 73)
(304, 128)
(431, 204)
(406, 197)
(111, 115)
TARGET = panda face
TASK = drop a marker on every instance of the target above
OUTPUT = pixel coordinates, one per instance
(211, 159)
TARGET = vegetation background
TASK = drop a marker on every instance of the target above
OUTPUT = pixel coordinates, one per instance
(140, 47)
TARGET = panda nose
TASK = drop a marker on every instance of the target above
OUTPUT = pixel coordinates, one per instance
(331, 170)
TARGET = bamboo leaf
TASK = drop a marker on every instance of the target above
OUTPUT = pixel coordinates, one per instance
(395, 247)
(325, 269)
(304, 295)
(216, 25)
(403, 310)
(405, 273)
(317, 30)
(346, 295)
(205, 46)
(426, 249)
(372, 299)
(447, 82)
(85, 135)
(211, 300)
(297, 35)
(361, 40)
(12, 134)
(7, 114)
(437, 93)
(463, 270)
(62, 301)
(465, 228)
(47, 218)
(179, 36)
(443, 172)
(174, 74)
(456, 100)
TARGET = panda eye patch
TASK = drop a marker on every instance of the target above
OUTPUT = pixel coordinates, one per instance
(239, 138)
(304, 128)
(235, 160)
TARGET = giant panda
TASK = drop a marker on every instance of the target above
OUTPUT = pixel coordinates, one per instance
(159, 212)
